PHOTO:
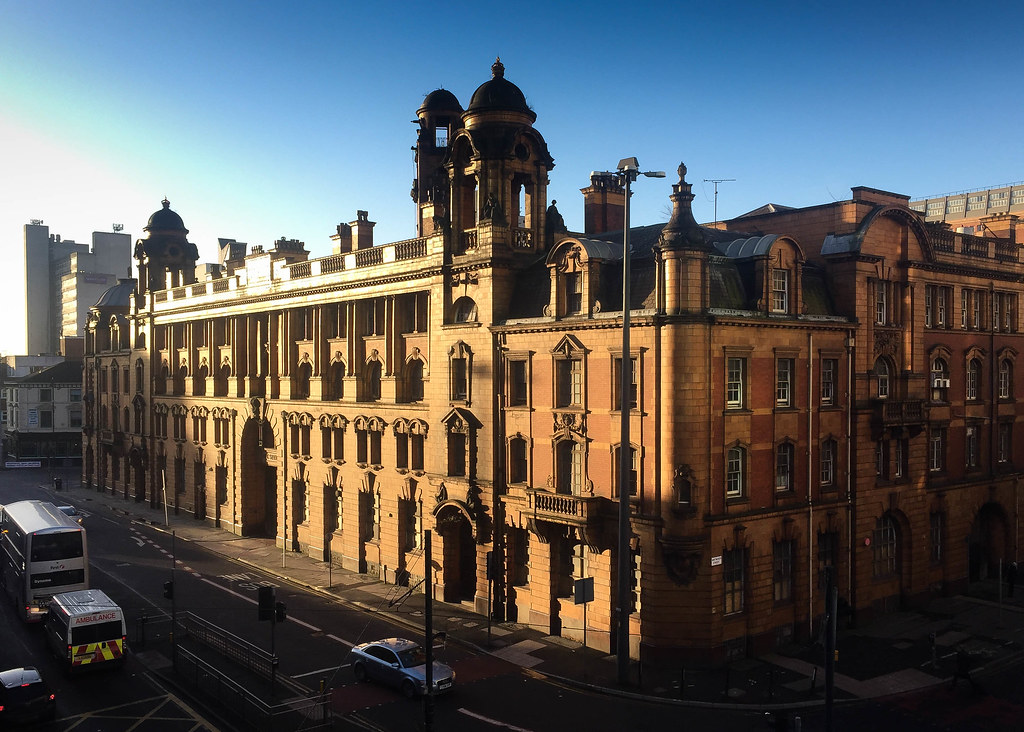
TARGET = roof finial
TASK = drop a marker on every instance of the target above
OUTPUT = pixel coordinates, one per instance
(166, 203)
(497, 68)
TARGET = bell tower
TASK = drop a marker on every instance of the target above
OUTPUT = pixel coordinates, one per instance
(439, 118)
(497, 166)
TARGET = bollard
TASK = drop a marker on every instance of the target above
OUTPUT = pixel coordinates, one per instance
(682, 683)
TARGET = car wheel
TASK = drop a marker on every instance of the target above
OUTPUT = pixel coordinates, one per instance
(360, 671)
(408, 689)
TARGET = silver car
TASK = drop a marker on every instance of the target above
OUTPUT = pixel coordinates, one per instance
(400, 663)
(71, 512)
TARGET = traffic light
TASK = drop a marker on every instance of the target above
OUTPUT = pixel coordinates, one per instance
(266, 603)
(169, 589)
(279, 612)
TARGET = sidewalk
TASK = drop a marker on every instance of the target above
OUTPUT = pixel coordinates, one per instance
(890, 656)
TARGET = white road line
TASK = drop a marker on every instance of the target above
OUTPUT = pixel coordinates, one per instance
(293, 619)
(495, 722)
(331, 669)
(344, 642)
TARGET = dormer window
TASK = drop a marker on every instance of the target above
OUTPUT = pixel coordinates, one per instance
(780, 291)
(573, 293)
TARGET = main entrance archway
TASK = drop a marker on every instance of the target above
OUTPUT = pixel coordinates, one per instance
(257, 483)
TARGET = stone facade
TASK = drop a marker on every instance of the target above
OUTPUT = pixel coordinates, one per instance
(788, 409)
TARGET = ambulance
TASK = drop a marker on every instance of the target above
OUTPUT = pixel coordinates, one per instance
(86, 629)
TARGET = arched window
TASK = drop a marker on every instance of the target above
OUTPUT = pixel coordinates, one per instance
(517, 460)
(882, 378)
(179, 381)
(372, 381)
(199, 382)
(220, 381)
(464, 310)
(974, 379)
(940, 380)
(569, 468)
(885, 548)
(735, 472)
(784, 467)
(303, 374)
(140, 376)
(336, 381)
(1006, 379)
(414, 380)
(633, 469)
(828, 463)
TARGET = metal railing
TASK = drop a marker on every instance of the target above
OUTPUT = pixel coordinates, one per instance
(251, 657)
(297, 713)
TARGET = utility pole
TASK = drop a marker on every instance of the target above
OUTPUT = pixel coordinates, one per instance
(716, 181)
(428, 632)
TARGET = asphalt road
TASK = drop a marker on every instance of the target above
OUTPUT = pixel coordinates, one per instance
(131, 561)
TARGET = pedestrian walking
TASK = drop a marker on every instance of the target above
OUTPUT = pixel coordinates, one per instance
(1011, 578)
(963, 670)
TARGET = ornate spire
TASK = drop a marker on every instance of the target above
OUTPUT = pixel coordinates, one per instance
(497, 68)
(682, 231)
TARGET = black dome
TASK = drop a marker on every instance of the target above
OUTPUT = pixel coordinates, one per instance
(165, 220)
(499, 94)
(440, 100)
(118, 296)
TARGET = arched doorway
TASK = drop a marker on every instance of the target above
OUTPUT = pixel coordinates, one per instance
(257, 480)
(459, 557)
(989, 542)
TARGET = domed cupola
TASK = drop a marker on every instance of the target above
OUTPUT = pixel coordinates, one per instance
(499, 97)
(165, 250)
(440, 101)
(165, 220)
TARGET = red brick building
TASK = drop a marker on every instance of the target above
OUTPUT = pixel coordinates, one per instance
(812, 388)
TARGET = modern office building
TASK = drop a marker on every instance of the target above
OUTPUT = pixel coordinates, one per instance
(982, 211)
(63, 280)
(818, 390)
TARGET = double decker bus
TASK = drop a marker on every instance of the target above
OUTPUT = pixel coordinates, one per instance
(43, 553)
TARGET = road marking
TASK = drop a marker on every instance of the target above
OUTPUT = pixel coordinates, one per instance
(495, 722)
(250, 600)
(139, 540)
(343, 642)
(332, 669)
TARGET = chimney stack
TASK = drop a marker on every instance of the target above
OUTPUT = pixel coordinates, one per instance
(362, 231)
(604, 205)
(342, 240)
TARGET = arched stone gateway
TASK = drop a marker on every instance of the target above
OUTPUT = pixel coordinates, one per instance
(257, 480)
(459, 551)
(989, 541)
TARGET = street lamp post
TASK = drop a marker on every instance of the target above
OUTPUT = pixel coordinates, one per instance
(628, 171)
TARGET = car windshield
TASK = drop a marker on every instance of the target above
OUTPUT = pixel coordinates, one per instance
(412, 657)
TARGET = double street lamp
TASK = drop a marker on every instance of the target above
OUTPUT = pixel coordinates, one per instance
(627, 171)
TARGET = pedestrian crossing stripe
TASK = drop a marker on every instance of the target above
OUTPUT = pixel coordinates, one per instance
(97, 652)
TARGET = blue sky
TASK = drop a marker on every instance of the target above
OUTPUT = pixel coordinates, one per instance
(262, 120)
